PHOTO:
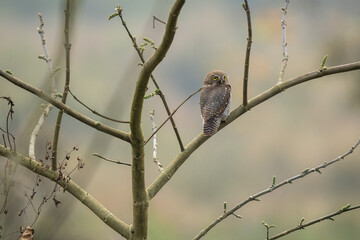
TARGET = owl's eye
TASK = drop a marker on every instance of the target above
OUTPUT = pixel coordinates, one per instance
(224, 77)
(215, 78)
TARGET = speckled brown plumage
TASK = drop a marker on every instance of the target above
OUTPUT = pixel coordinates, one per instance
(214, 101)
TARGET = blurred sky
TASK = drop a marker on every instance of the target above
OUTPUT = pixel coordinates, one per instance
(300, 128)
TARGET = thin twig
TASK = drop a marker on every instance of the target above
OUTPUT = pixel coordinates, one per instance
(44, 200)
(9, 117)
(267, 226)
(170, 116)
(9, 172)
(47, 55)
(110, 160)
(302, 225)
(284, 43)
(94, 111)
(272, 188)
(69, 186)
(3, 136)
(157, 19)
(67, 46)
(9, 134)
(155, 158)
(237, 216)
(61, 106)
(38, 210)
(162, 96)
(247, 56)
(48, 107)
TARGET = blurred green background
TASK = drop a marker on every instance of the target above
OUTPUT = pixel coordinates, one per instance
(300, 128)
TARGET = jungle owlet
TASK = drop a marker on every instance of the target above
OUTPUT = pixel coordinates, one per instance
(215, 101)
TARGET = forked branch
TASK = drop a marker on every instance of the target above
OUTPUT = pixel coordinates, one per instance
(172, 114)
(180, 158)
(82, 118)
(272, 188)
(302, 225)
(140, 195)
(47, 109)
(89, 201)
(160, 93)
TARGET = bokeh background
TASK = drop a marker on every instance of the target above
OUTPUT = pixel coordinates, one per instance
(300, 128)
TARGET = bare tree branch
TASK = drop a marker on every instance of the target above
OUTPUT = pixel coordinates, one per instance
(104, 214)
(7, 182)
(140, 195)
(82, 118)
(302, 225)
(172, 114)
(155, 158)
(272, 188)
(268, 227)
(8, 118)
(67, 46)
(247, 55)
(95, 112)
(180, 158)
(157, 19)
(47, 109)
(36, 130)
(284, 43)
(110, 160)
(160, 93)
(47, 57)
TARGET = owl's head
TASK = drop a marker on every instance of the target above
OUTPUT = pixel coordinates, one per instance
(216, 77)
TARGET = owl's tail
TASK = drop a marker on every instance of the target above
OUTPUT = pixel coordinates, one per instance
(211, 126)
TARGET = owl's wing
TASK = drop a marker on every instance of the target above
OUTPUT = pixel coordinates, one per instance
(214, 101)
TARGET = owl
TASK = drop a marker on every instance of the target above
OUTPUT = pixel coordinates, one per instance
(214, 101)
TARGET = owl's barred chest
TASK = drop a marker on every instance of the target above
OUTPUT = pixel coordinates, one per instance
(215, 101)
(219, 92)
(226, 112)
